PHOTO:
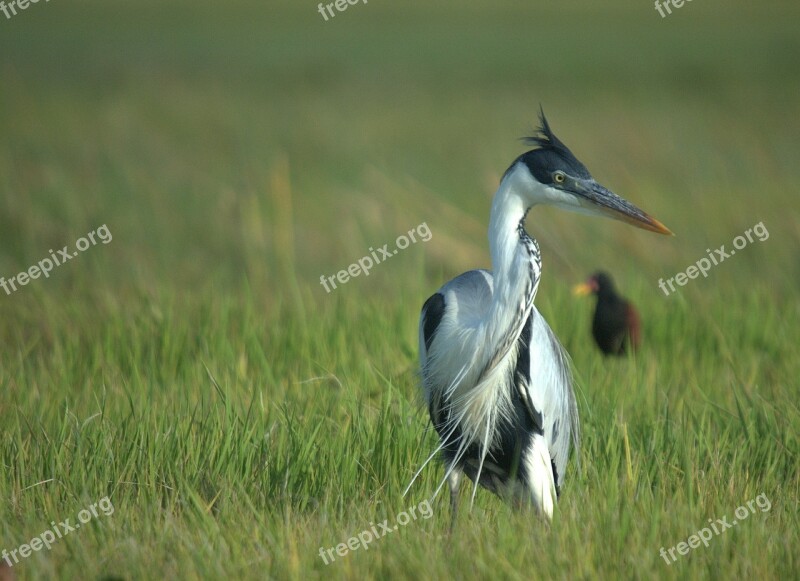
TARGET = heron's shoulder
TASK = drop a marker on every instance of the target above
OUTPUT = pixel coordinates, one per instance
(467, 295)
(474, 282)
(469, 289)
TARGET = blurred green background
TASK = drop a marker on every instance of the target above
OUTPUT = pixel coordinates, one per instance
(168, 121)
(238, 151)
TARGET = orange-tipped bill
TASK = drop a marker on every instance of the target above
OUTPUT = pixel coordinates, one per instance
(600, 200)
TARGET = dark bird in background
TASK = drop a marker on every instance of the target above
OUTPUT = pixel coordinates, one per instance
(6, 573)
(615, 327)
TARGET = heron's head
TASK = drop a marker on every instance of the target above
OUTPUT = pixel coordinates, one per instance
(556, 177)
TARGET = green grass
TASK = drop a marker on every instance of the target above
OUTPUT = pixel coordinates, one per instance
(239, 417)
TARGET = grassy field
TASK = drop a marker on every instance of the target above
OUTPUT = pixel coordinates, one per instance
(236, 417)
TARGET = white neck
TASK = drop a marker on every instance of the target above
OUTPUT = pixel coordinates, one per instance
(510, 258)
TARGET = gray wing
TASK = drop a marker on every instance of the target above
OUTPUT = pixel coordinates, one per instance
(465, 300)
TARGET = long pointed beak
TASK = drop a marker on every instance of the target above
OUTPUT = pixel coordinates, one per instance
(600, 200)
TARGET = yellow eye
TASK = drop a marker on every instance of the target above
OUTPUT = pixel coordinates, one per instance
(559, 177)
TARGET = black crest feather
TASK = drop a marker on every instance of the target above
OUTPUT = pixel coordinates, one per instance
(546, 139)
(550, 154)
